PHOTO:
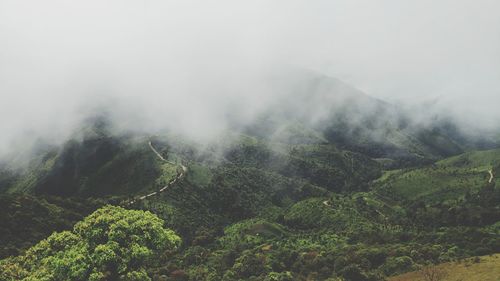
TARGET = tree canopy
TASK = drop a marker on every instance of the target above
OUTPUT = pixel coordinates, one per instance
(111, 244)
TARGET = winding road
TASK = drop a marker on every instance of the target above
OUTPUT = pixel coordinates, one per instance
(491, 176)
(158, 154)
(179, 177)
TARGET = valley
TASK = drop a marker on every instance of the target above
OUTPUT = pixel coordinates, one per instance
(249, 140)
(305, 211)
(281, 198)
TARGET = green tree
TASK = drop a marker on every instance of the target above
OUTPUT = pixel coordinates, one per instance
(111, 244)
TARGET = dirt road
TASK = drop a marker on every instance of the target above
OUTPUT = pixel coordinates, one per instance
(179, 177)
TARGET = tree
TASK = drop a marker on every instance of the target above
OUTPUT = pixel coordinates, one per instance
(111, 244)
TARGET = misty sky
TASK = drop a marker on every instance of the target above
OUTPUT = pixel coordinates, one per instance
(188, 64)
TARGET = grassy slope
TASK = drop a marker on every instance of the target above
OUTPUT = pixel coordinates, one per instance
(480, 160)
(450, 178)
(488, 269)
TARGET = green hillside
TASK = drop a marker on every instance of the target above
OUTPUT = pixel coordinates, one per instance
(326, 110)
(253, 208)
(484, 160)
(92, 167)
(448, 179)
(25, 220)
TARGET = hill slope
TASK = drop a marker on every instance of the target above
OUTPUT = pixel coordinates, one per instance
(448, 179)
(297, 195)
(316, 108)
(484, 268)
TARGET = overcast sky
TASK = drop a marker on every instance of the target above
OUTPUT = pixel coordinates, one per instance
(164, 60)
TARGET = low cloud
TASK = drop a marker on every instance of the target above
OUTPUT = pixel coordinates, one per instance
(197, 66)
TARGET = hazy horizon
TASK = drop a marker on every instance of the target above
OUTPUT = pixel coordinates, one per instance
(189, 65)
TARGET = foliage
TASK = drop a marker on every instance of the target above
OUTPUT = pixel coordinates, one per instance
(110, 244)
(299, 206)
(25, 220)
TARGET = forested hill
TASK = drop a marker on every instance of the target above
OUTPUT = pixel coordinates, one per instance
(323, 109)
(280, 199)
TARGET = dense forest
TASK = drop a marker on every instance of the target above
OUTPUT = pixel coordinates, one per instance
(331, 140)
(250, 207)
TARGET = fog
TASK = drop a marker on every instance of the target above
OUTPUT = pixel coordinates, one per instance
(195, 66)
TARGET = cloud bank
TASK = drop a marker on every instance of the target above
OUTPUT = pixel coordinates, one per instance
(192, 65)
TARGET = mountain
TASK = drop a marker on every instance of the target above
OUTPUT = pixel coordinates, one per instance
(94, 166)
(326, 118)
(328, 185)
(321, 109)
